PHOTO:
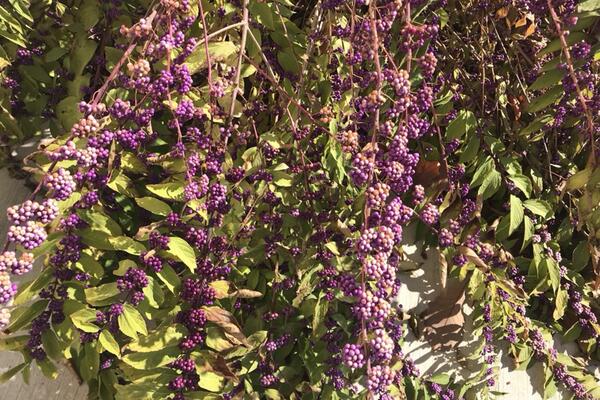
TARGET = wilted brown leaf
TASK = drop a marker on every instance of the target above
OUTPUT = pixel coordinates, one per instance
(220, 365)
(595, 255)
(473, 257)
(443, 270)
(502, 12)
(245, 294)
(443, 321)
(144, 232)
(521, 22)
(226, 320)
(427, 172)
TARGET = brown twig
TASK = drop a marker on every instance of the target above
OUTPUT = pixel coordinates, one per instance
(565, 49)
(238, 72)
(205, 33)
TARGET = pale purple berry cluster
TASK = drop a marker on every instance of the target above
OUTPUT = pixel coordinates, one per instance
(30, 235)
(44, 212)
(60, 184)
(17, 266)
(353, 356)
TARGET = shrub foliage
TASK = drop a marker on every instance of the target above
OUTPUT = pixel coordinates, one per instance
(220, 214)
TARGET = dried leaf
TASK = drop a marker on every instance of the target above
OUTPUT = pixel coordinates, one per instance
(473, 257)
(443, 270)
(502, 12)
(595, 255)
(521, 22)
(246, 294)
(427, 172)
(226, 320)
(220, 365)
(443, 321)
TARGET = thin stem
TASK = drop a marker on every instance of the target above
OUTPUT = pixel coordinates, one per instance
(100, 93)
(205, 32)
(279, 88)
(580, 97)
(238, 72)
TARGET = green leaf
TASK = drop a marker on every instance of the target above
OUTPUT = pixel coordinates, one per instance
(89, 14)
(332, 247)
(7, 375)
(555, 45)
(579, 180)
(52, 345)
(67, 111)
(162, 337)
(113, 56)
(470, 150)
(121, 183)
(83, 318)
(536, 125)
(7, 18)
(27, 291)
(154, 205)
(553, 272)
(523, 183)
(461, 125)
(482, 172)
(546, 99)
(589, 5)
(572, 333)
(152, 359)
(169, 191)
(263, 14)
(219, 51)
(502, 228)
(562, 299)
(126, 244)
(131, 322)
(17, 39)
(538, 207)
(333, 158)
(282, 179)
(87, 264)
(22, 319)
(82, 53)
(169, 278)
(11, 343)
(516, 214)
(90, 362)
(547, 80)
(48, 368)
(101, 222)
(211, 381)
(142, 391)
(102, 295)
(103, 241)
(21, 8)
(181, 250)
(320, 312)
(107, 340)
(581, 256)
(528, 231)
(440, 379)
(288, 61)
(490, 185)
(153, 293)
(131, 163)
(55, 53)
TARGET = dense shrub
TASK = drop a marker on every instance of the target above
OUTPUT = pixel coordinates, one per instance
(52, 55)
(225, 216)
